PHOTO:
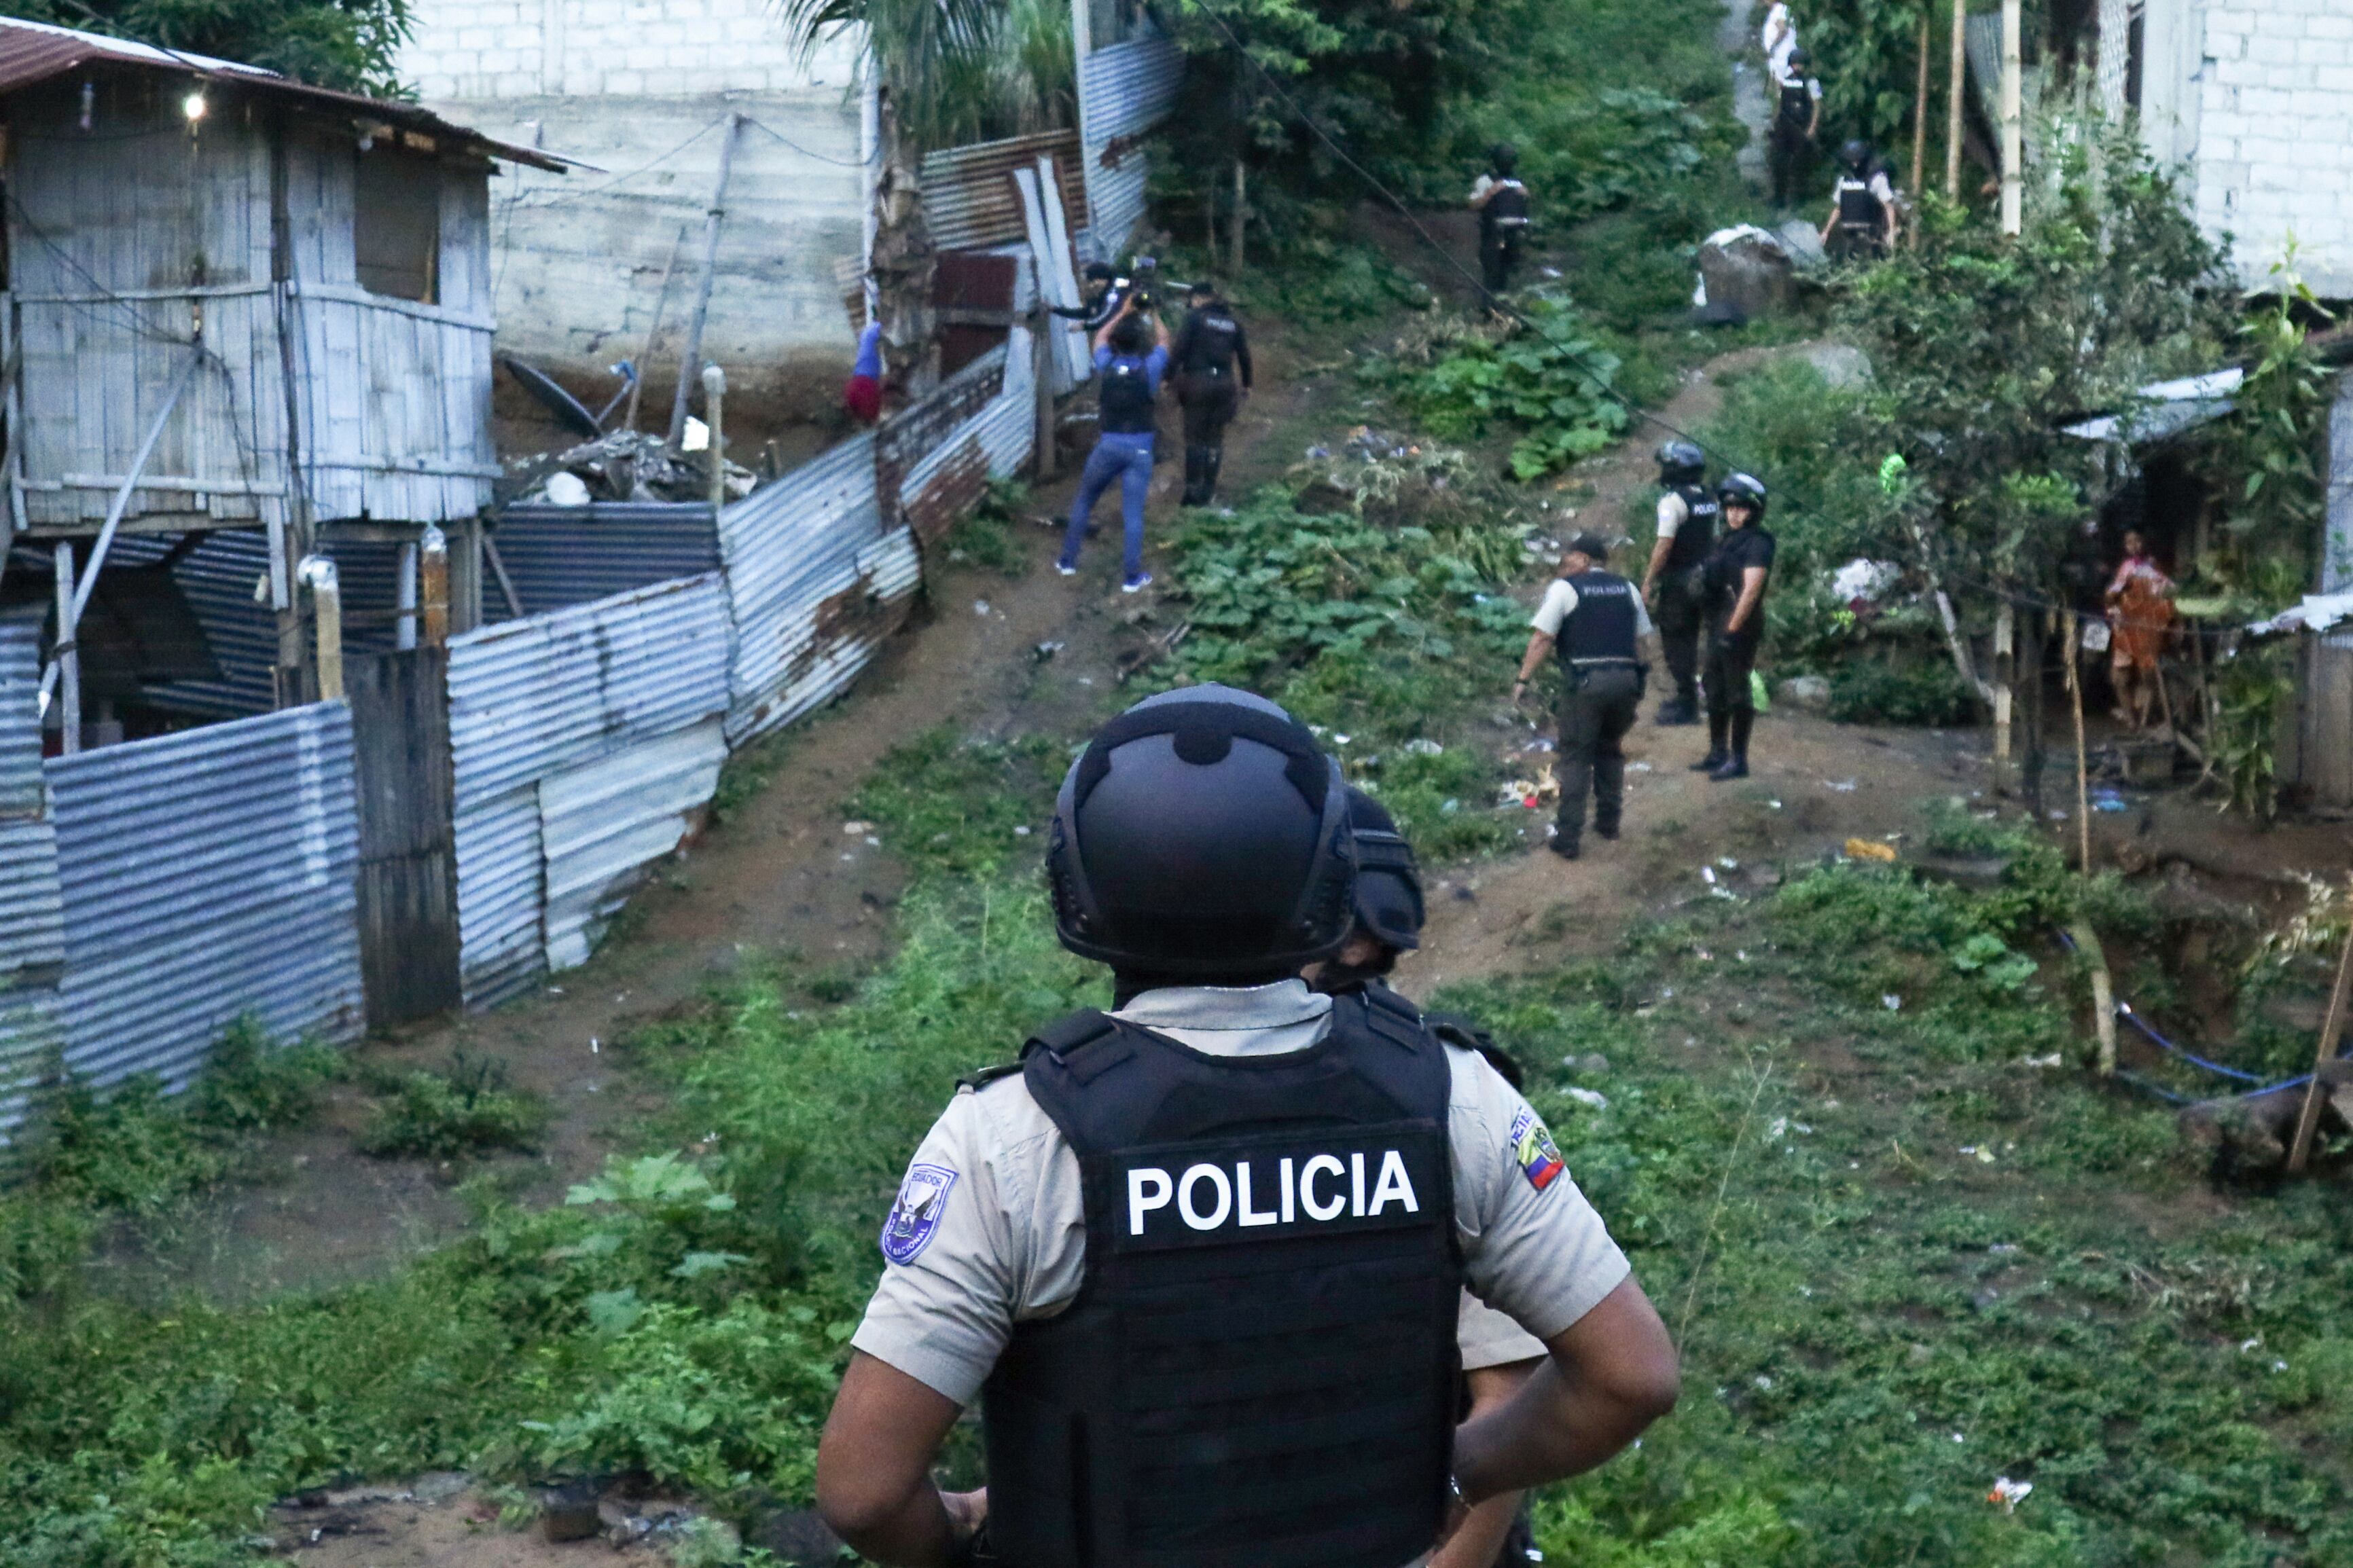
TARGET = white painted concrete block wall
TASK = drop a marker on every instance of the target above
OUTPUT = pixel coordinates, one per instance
(626, 85)
(2275, 136)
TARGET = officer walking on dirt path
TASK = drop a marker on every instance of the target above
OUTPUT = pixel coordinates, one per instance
(1687, 516)
(1862, 222)
(1594, 620)
(1503, 206)
(1212, 361)
(1796, 119)
(1735, 575)
(1498, 1355)
(1129, 1247)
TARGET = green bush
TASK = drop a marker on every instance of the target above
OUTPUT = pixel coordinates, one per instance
(466, 1108)
(1549, 385)
(1876, 691)
(250, 1084)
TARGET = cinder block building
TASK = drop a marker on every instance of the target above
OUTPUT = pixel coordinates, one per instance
(2255, 100)
(643, 88)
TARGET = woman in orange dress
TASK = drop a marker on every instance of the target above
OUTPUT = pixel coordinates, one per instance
(2140, 611)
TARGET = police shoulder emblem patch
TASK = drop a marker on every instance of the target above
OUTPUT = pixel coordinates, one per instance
(1533, 1150)
(916, 1216)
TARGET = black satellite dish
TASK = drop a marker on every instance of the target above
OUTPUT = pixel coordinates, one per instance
(567, 409)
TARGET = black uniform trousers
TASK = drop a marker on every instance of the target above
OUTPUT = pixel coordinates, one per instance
(1786, 155)
(1499, 253)
(1210, 399)
(1681, 618)
(1731, 698)
(1595, 714)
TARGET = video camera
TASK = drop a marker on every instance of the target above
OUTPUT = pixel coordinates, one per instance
(1141, 287)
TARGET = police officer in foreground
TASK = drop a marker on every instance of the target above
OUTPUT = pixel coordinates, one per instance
(1862, 222)
(1212, 361)
(1498, 1355)
(1503, 206)
(1199, 1258)
(1671, 582)
(1594, 621)
(1735, 575)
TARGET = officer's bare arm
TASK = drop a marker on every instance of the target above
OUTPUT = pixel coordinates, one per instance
(1659, 554)
(1475, 1544)
(1539, 646)
(1752, 588)
(1612, 1374)
(873, 1468)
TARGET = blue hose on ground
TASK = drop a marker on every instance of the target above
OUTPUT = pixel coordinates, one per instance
(2124, 1011)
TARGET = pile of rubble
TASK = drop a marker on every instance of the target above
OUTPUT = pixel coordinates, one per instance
(628, 466)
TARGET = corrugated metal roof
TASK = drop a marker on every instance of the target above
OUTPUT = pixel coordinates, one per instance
(20, 714)
(33, 52)
(789, 546)
(206, 874)
(601, 824)
(564, 555)
(968, 200)
(532, 697)
(499, 883)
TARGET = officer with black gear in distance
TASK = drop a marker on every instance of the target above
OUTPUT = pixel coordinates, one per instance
(1862, 222)
(1734, 576)
(1593, 620)
(1502, 202)
(1687, 517)
(1129, 1247)
(1797, 120)
(1212, 360)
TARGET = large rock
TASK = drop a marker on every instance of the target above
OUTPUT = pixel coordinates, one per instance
(1745, 273)
(1810, 692)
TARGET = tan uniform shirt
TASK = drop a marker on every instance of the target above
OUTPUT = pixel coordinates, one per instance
(988, 1229)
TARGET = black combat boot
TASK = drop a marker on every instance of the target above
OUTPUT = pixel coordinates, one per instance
(1213, 457)
(1677, 711)
(1196, 489)
(1719, 726)
(1735, 764)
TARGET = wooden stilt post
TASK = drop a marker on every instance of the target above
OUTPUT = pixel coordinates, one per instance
(1238, 219)
(714, 400)
(689, 360)
(69, 657)
(433, 575)
(2013, 124)
(1920, 124)
(2332, 1030)
(1956, 85)
(2083, 763)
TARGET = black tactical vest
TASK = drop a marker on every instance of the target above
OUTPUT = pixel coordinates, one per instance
(1507, 209)
(1210, 350)
(1600, 630)
(1697, 537)
(1857, 208)
(1260, 1368)
(1797, 103)
(1124, 403)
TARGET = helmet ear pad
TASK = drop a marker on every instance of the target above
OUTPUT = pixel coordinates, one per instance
(1202, 838)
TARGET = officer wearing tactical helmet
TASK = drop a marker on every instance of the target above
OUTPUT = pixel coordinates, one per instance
(1498, 1355)
(1502, 202)
(1735, 576)
(1671, 582)
(1862, 222)
(1131, 1247)
(1593, 619)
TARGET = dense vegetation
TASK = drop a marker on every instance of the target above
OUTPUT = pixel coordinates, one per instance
(347, 44)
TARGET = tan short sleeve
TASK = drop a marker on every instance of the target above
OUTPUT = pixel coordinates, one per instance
(1558, 603)
(1487, 1338)
(1532, 1248)
(1672, 515)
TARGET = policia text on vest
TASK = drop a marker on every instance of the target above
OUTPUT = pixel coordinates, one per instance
(1286, 1187)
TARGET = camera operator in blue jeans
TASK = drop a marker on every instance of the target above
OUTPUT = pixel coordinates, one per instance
(1131, 356)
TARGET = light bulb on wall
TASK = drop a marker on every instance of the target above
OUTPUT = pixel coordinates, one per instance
(193, 106)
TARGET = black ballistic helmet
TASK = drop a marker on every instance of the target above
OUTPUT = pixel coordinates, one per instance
(1681, 460)
(1503, 157)
(1799, 58)
(1388, 879)
(1855, 154)
(1202, 832)
(1743, 489)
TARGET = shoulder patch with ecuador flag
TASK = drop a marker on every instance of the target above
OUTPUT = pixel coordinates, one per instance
(1533, 1152)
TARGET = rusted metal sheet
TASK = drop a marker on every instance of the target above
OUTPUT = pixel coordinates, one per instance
(1124, 90)
(539, 698)
(602, 823)
(969, 199)
(944, 490)
(33, 52)
(919, 432)
(845, 628)
(789, 546)
(972, 299)
(207, 874)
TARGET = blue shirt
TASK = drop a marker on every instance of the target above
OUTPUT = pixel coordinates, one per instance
(869, 352)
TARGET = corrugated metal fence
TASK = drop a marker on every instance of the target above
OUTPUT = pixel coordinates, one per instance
(571, 735)
(32, 920)
(1125, 89)
(206, 874)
